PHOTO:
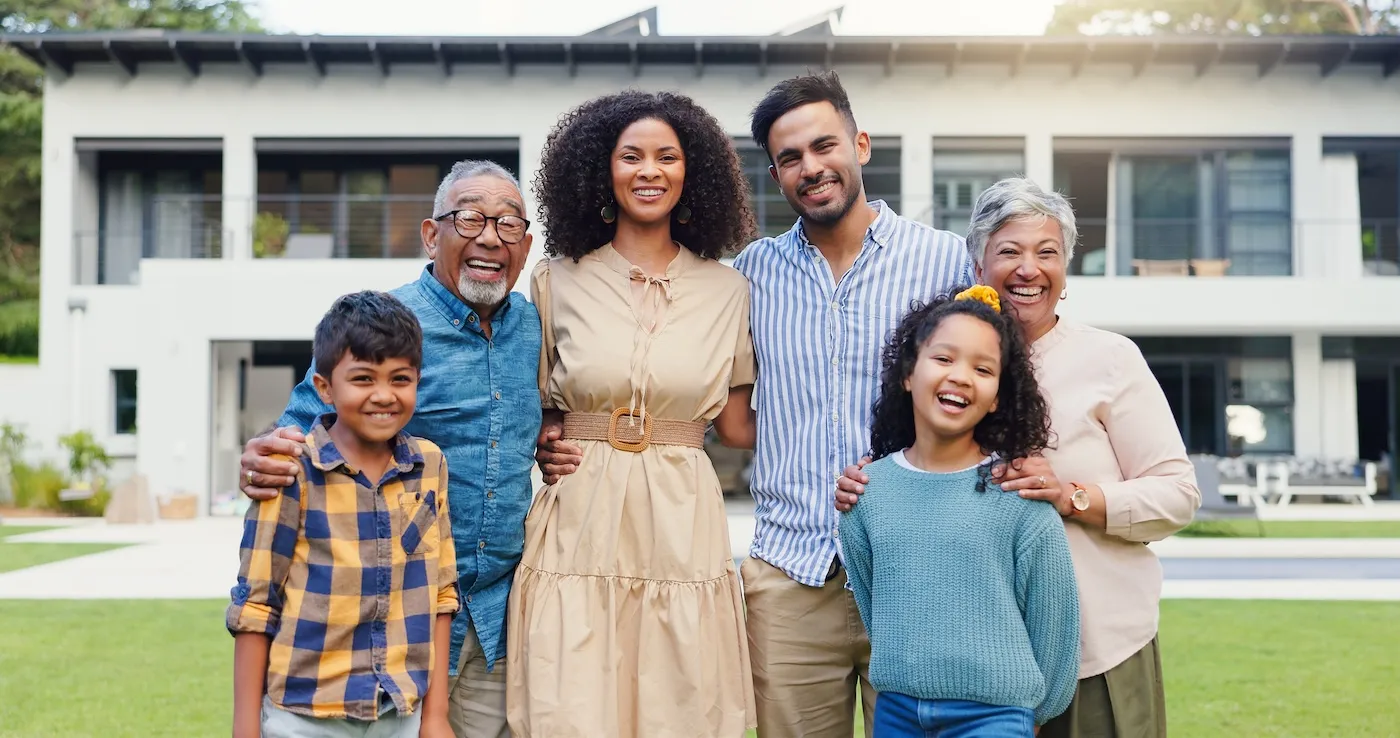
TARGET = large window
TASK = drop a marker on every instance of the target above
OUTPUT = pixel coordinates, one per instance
(155, 205)
(124, 401)
(1208, 213)
(1230, 396)
(772, 211)
(961, 174)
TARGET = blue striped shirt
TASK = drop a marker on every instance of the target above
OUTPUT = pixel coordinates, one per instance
(818, 344)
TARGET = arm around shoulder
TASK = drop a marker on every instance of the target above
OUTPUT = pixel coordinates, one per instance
(1158, 495)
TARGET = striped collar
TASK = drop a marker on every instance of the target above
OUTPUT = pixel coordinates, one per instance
(881, 230)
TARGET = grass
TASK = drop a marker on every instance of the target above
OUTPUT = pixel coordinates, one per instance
(16, 556)
(115, 668)
(18, 359)
(163, 668)
(1237, 528)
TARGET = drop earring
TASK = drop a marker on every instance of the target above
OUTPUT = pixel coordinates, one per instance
(609, 213)
(1064, 293)
(683, 213)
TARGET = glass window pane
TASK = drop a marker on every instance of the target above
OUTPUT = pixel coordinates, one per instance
(1256, 381)
(1259, 428)
(124, 400)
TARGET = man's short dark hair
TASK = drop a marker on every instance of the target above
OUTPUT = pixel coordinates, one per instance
(794, 93)
(372, 326)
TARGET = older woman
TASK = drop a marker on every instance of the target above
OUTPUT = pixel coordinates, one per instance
(1118, 471)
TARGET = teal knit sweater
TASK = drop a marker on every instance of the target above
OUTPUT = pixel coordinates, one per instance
(966, 595)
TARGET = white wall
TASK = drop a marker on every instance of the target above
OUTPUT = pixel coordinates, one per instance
(23, 403)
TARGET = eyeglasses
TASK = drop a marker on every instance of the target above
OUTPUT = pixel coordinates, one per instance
(470, 224)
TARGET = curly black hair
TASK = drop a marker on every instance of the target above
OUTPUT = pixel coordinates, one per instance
(574, 179)
(1017, 429)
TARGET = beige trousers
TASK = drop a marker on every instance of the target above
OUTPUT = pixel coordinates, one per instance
(476, 702)
(809, 651)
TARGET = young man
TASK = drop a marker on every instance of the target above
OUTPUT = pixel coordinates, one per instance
(478, 400)
(348, 579)
(824, 297)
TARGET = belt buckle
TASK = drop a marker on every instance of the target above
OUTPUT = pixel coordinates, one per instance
(621, 445)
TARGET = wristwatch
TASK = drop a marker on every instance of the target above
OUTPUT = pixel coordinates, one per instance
(1079, 501)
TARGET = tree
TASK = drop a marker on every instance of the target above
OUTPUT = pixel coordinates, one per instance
(1226, 17)
(21, 125)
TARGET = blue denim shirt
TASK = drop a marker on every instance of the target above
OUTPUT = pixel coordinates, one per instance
(479, 401)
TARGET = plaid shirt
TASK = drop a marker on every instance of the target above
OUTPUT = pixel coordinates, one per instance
(347, 577)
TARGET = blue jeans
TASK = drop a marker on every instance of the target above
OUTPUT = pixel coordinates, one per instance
(902, 716)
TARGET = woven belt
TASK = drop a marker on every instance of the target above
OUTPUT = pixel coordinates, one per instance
(636, 435)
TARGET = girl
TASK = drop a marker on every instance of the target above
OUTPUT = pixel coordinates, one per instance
(968, 595)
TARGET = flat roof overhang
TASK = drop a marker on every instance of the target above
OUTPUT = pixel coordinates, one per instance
(132, 50)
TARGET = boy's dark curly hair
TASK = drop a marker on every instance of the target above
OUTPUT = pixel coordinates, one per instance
(1017, 429)
(574, 179)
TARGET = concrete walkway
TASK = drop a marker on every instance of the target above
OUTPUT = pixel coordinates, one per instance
(199, 559)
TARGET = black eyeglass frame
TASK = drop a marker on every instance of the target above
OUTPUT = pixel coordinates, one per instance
(494, 220)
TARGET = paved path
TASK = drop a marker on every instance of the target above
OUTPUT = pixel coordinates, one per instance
(199, 559)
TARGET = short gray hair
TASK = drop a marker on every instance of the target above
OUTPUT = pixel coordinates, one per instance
(1017, 198)
(468, 168)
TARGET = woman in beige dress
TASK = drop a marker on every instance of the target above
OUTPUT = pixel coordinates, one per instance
(626, 616)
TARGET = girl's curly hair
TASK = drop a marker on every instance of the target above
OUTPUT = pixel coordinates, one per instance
(574, 179)
(1017, 429)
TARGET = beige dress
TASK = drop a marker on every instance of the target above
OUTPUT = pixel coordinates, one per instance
(626, 617)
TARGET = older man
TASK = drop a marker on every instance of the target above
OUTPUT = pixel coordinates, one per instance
(477, 400)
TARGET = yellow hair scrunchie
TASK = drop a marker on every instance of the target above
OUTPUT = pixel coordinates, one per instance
(981, 293)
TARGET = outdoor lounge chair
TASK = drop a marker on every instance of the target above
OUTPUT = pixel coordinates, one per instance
(1214, 506)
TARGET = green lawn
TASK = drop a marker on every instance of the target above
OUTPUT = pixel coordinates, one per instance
(162, 668)
(1292, 529)
(18, 359)
(15, 556)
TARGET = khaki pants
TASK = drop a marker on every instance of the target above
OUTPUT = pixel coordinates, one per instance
(1127, 701)
(809, 650)
(476, 701)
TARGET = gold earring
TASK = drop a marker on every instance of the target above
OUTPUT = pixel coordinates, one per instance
(1064, 293)
(609, 213)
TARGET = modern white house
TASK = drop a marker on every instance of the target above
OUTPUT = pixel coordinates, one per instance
(206, 197)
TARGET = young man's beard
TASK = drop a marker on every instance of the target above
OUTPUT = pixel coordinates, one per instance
(832, 213)
(482, 293)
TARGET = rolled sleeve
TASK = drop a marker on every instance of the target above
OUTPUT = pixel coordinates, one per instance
(449, 599)
(1158, 495)
(271, 529)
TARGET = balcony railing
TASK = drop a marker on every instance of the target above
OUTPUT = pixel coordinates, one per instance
(340, 226)
(165, 227)
(1380, 246)
(1180, 247)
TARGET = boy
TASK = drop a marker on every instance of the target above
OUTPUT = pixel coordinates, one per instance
(348, 579)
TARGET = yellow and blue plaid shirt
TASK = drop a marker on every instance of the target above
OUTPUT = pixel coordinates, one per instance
(347, 578)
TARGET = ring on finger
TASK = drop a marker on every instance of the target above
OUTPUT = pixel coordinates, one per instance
(1042, 482)
(249, 476)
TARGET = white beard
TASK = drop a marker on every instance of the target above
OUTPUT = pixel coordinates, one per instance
(482, 293)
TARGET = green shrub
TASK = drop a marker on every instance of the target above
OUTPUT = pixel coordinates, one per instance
(38, 486)
(19, 328)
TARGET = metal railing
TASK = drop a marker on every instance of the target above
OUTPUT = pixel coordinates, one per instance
(340, 226)
(1380, 246)
(166, 227)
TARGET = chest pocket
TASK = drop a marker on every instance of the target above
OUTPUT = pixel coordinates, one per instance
(417, 512)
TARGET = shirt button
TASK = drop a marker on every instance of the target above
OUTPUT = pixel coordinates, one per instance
(498, 395)
(469, 598)
(493, 444)
(481, 545)
(471, 318)
(834, 360)
(834, 305)
(456, 322)
(490, 493)
(835, 418)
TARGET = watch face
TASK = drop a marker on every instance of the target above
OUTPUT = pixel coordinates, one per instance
(1080, 500)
